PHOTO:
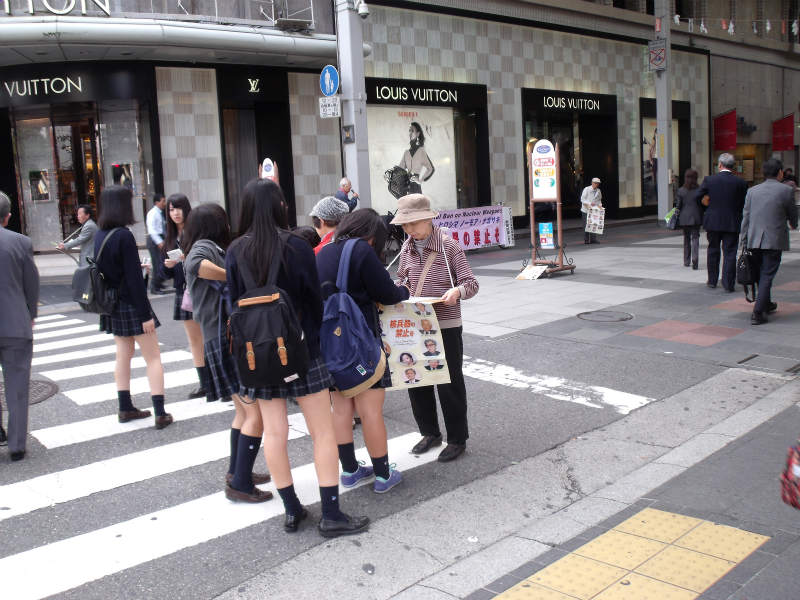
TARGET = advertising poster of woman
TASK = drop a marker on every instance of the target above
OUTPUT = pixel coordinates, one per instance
(418, 139)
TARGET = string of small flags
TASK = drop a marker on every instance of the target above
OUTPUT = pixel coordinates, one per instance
(729, 26)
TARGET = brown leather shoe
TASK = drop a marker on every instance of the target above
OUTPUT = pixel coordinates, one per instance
(163, 421)
(131, 415)
(255, 495)
(258, 478)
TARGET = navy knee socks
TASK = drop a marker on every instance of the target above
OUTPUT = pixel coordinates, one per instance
(124, 400)
(234, 447)
(158, 404)
(291, 503)
(330, 503)
(347, 456)
(246, 452)
(381, 466)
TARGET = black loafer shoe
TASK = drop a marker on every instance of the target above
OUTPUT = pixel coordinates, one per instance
(350, 526)
(292, 522)
(3, 436)
(711, 285)
(758, 319)
(258, 478)
(451, 452)
(130, 415)
(426, 443)
(255, 495)
(17, 456)
(198, 393)
(772, 307)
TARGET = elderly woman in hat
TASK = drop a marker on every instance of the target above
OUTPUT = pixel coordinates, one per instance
(433, 264)
(325, 216)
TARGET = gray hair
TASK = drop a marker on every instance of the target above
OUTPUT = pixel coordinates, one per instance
(5, 206)
(343, 181)
(727, 160)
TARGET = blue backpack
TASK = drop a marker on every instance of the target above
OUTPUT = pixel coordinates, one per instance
(350, 349)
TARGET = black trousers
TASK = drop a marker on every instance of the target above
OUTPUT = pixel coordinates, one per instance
(156, 265)
(765, 266)
(15, 360)
(729, 241)
(691, 244)
(452, 396)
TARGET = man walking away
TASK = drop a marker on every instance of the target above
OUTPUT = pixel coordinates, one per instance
(768, 207)
(725, 194)
(155, 242)
(84, 239)
(19, 292)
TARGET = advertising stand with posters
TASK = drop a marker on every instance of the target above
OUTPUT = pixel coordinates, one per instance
(413, 344)
(546, 187)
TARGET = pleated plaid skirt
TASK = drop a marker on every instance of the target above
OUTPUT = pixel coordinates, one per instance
(178, 313)
(318, 378)
(124, 321)
(224, 377)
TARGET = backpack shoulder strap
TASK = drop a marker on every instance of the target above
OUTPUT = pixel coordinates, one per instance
(275, 260)
(105, 240)
(344, 265)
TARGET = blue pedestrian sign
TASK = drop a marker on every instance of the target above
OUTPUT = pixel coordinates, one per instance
(329, 80)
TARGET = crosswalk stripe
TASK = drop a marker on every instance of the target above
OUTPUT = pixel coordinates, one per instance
(108, 367)
(50, 318)
(61, 332)
(100, 427)
(70, 343)
(75, 355)
(75, 561)
(556, 388)
(50, 325)
(139, 385)
(68, 485)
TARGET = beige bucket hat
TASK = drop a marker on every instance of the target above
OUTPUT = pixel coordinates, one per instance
(412, 208)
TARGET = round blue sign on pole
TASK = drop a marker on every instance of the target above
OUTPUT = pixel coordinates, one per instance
(329, 80)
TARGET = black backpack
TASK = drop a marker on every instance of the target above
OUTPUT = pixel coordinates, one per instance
(90, 288)
(265, 336)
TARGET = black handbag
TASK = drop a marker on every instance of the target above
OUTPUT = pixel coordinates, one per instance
(90, 288)
(745, 273)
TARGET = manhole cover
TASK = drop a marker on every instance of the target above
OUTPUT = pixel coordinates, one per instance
(605, 316)
(40, 390)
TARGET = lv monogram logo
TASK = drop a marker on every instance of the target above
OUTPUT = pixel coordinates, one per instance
(254, 86)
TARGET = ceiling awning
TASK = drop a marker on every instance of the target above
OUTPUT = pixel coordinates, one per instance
(55, 39)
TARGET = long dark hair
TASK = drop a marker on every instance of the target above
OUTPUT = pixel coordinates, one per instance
(206, 222)
(365, 224)
(116, 207)
(263, 215)
(690, 179)
(420, 141)
(177, 201)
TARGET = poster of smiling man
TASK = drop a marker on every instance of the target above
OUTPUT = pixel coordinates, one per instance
(418, 139)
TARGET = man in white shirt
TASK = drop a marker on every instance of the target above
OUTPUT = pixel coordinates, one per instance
(591, 197)
(155, 242)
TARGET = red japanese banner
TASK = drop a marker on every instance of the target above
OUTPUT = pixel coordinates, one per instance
(783, 134)
(725, 131)
(476, 227)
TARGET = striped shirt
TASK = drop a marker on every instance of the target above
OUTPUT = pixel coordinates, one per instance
(437, 281)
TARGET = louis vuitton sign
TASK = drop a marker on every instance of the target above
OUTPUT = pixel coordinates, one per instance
(44, 6)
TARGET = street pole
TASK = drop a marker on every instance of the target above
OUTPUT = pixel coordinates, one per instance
(664, 114)
(349, 47)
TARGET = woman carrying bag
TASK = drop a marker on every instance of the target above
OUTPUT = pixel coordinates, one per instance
(690, 217)
(368, 283)
(434, 265)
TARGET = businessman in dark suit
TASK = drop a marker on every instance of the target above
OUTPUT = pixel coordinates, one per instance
(723, 194)
(768, 208)
(19, 291)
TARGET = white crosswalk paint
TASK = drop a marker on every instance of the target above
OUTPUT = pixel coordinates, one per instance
(556, 388)
(45, 335)
(75, 355)
(139, 385)
(64, 486)
(100, 427)
(71, 343)
(49, 318)
(108, 366)
(78, 560)
(52, 324)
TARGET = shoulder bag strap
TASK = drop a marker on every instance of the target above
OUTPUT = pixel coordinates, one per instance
(344, 265)
(424, 274)
(103, 245)
(275, 261)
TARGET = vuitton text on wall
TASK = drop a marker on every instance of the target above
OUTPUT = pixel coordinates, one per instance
(415, 94)
(44, 86)
(68, 7)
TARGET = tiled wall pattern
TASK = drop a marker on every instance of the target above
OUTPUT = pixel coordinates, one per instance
(317, 157)
(191, 150)
(418, 45)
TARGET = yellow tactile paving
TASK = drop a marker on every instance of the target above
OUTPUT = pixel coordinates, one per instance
(685, 568)
(721, 541)
(638, 587)
(577, 576)
(530, 591)
(620, 549)
(658, 525)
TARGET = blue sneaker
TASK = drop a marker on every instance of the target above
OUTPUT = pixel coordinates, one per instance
(384, 485)
(363, 472)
